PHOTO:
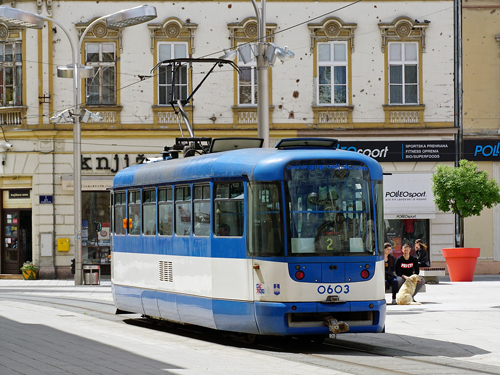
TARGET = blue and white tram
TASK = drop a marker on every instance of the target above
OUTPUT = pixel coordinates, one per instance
(284, 241)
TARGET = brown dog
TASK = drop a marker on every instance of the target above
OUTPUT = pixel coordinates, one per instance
(405, 294)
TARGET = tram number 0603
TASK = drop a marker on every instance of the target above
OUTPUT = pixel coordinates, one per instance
(338, 289)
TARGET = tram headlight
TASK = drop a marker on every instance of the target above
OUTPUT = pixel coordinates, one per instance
(365, 274)
(299, 275)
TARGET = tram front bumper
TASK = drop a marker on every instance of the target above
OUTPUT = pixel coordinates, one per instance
(310, 318)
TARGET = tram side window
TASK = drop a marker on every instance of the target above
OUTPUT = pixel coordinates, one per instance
(183, 211)
(149, 212)
(134, 211)
(201, 207)
(265, 219)
(165, 211)
(228, 209)
(120, 213)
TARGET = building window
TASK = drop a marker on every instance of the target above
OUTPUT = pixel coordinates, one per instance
(11, 74)
(101, 88)
(247, 81)
(332, 73)
(403, 73)
(168, 51)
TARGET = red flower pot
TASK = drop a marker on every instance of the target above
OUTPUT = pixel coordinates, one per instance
(461, 262)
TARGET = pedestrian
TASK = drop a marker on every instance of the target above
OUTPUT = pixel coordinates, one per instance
(407, 265)
(390, 278)
(422, 254)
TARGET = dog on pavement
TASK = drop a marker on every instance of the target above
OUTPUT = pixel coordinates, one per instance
(405, 294)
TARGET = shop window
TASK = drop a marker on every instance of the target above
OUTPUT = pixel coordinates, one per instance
(183, 211)
(228, 209)
(96, 226)
(165, 211)
(399, 232)
(134, 212)
(120, 213)
(149, 212)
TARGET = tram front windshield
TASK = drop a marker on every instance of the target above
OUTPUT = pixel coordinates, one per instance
(330, 208)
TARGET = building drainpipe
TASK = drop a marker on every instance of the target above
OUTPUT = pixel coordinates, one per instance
(458, 104)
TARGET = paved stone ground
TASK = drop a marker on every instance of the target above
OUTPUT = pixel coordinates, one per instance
(457, 322)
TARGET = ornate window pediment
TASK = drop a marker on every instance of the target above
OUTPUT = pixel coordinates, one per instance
(246, 31)
(403, 29)
(173, 29)
(332, 29)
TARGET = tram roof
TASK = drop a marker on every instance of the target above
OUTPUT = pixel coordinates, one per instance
(259, 164)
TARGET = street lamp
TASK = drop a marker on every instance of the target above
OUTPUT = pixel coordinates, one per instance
(121, 19)
(266, 55)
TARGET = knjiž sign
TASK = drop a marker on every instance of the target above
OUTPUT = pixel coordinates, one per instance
(403, 151)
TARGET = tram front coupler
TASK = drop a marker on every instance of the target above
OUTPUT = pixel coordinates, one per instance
(335, 326)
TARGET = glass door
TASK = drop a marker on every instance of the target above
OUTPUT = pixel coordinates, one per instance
(11, 254)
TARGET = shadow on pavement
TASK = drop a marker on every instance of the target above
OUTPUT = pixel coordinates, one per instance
(34, 349)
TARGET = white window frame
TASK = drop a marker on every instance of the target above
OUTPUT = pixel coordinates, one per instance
(403, 62)
(99, 68)
(332, 64)
(15, 85)
(184, 72)
(253, 78)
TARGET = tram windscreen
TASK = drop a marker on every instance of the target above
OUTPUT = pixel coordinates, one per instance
(330, 208)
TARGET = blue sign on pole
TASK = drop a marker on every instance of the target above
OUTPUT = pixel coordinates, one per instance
(46, 199)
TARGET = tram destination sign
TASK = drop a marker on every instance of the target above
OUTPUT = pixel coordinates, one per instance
(403, 151)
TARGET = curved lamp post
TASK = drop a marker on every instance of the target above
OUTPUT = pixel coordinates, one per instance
(121, 19)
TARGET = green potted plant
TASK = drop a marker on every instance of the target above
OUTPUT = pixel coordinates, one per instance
(465, 191)
(29, 271)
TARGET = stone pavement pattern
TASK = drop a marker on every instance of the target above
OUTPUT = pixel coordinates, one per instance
(456, 321)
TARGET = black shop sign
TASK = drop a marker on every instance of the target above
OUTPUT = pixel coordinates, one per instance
(403, 151)
(482, 149)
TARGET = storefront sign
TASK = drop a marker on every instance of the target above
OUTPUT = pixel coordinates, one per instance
(403, 151)
(408, 196)
(16, 199)
(19, 194)
(482, 149)
(89, 184)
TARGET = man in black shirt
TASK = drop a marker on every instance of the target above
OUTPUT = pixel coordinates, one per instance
(407, 265)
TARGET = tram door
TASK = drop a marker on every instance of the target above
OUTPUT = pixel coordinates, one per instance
(16, 240)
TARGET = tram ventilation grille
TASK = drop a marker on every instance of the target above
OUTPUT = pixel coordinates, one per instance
(166, 271)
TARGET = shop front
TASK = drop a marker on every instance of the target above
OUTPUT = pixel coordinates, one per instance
(16, 230)
(96, 221)
(408, 209)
